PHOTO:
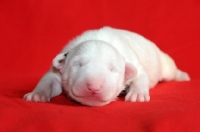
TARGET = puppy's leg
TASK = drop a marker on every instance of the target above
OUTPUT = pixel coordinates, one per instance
(139, 90)
(48, 87)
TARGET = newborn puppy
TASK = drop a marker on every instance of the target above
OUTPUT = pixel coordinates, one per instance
(95, 68)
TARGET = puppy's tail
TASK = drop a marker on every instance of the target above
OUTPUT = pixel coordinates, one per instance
(182, 76)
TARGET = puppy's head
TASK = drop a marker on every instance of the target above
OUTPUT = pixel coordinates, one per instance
(94, 72)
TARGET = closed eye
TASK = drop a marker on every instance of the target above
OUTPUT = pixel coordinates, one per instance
(77, 64)
(80, 61)
(113, 69)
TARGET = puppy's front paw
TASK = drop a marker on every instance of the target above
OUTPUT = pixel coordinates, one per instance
(36, 97)
(134, 96)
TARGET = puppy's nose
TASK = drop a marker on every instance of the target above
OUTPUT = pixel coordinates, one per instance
(94, 84)
(93, 88)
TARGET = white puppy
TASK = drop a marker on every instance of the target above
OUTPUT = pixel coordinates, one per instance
(95, 68)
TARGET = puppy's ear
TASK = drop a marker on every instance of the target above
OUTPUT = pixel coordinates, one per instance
(130, 72)
(59, 60)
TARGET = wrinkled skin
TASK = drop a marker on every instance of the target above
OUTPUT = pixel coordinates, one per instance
(94, 68)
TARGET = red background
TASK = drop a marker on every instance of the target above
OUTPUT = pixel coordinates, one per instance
(32, 32)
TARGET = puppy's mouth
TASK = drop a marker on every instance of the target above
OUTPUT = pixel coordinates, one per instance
(89, 100)
(88, 97)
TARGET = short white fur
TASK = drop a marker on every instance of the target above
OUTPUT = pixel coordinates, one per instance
(96, 66)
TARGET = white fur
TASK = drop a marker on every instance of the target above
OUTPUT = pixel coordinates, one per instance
(101, 62)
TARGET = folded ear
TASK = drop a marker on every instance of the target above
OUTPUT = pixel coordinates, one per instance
(58, 61)
(130, 71)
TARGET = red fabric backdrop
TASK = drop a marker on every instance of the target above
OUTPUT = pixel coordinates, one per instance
(32, 32)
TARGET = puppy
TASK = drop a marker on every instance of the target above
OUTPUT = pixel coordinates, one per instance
(95, 67)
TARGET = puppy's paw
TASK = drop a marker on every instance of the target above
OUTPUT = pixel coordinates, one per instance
(133, 96)
(36, 97)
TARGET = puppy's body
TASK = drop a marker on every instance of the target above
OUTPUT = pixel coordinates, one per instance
(94, 68)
